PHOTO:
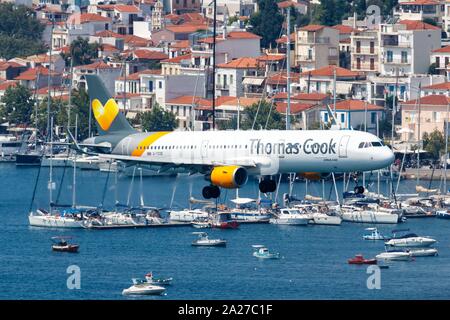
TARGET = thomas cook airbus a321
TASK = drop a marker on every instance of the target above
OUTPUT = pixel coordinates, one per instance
(227, 158)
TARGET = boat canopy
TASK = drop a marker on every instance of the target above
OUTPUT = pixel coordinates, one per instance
(243, 200)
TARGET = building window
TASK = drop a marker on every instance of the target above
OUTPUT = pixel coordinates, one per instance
(373, 117)
(342, 118)
(389, 56)
(404, 57)
(325, 117)
(160, 84)
(372, 64)
(358, 46)
(438, 62)
(358, 63)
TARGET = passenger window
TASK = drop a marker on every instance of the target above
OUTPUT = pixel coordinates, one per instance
(361, 145)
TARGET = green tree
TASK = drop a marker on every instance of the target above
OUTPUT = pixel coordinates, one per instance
(20, 31)
(267, 114)
(267, 22)
(17, 105)
(434, 143)
(157, 119)
(82, 52)
(432, 69)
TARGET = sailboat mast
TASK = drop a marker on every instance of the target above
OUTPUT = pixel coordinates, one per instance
(288, 61)
(74, 187)
(214, 67)
(446, 150)
(50, 182)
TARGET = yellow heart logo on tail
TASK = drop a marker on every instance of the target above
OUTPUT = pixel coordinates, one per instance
(105, 115)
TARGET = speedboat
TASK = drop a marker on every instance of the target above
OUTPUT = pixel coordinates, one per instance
(359, 259)
(263, 253)
(204, 241)
(249, 211)
(143, 288)
(61, 245)
(414, 242)
(428, 252)
(443, 214)
(290, 216)
(375, 235)
(149, 278)
(394, 256)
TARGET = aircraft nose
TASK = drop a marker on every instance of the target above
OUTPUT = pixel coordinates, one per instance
(386, 157)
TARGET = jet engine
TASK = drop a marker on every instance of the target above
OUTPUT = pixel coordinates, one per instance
(228, 177)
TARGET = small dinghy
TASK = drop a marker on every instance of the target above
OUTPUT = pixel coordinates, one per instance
(263, 253)
(204, 241)
(359, 259)
(62, 245)
(394, 256)
(143, 288)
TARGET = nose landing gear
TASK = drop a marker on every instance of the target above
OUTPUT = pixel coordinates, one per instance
(211, 192)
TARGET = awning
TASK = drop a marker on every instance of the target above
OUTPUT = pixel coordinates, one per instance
(343, 87)
(253, 81)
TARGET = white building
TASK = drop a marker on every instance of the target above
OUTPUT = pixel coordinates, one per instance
(405, 47)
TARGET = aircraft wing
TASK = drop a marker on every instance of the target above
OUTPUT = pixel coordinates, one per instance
(243, 162)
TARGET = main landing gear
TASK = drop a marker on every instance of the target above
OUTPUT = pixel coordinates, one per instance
(211, 192)
(267, 185)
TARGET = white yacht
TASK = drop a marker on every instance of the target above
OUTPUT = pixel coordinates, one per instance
(319, 215)
(394, 256)
(57, 160)
(188, 215)
(371, 213)
(411, 242)
(88, 163)
(9, 146)
(426, 252)
(289, 216)
(143, 288)
(204, 241)
(42, 218)
(248, 211)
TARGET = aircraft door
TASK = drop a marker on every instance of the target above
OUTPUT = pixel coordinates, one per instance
(343, 146)
(204, 149)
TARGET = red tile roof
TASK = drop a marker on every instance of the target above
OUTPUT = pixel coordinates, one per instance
(419, 2)
(281, 78)
(283, 39)
(189, 100)
(96, 66)
(178, 59)
(344, 29)
(109, 34)
(314, 96)
(356, 105)
(126, 8)
(137, 75)
(272, 57)
(9, 64)
(312, 28)
(418, 25)
(32, 73)
(186, 28)
(240, 63)
(108, 47)
(80, 18)
(5, 85)
(136, 41)
(181, 44)
(328, 71)
(439, 86)
(431, 100)
(242, 35)
(445, 49)
(295, 107)
(149, 54)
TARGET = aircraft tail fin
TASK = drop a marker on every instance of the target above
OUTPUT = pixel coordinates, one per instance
(109, 119)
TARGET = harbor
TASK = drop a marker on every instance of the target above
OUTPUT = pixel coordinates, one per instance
(312, 263)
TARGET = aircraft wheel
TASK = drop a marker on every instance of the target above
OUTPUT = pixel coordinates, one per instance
(359, 189)
(266, 186)
(211, 192)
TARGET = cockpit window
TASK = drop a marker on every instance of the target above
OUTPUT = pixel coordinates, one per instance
(361, 145)
(377, 144)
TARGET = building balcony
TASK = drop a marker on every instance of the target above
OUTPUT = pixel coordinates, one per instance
(394, 61)
(364, 67)
(305, 58)
(395, 43)
(364, 51)
(223, 87)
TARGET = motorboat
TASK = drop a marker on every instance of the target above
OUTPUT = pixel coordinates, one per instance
(201, 223)
(61, 245)
(290, 216)
(394, 256)
(143, 288)
(413, 241)
(359, 259)
(426, 252)
(263, 252)
(149, 278)
(374, 235)
(319, 214)
(9, 147)
(60, 219)
(187, 215)
(223, 220)
(371, 213)
(204, 241)
(443, 214)
(88, 162)
(57, 160)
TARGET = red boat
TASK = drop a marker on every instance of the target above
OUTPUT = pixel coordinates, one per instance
(61, 245)
(359, 259)
(222, 220)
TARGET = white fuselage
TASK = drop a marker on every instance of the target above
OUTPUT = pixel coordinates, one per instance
(264, 152)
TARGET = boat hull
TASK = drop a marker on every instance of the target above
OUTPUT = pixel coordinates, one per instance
(143, 290)
(54, 222)
(370, 217)
(289, 221)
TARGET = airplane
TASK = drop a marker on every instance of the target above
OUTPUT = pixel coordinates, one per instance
(228, 158)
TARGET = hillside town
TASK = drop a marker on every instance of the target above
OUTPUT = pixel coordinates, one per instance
(159, 54)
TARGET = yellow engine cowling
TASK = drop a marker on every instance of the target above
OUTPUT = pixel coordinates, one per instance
(228, 177)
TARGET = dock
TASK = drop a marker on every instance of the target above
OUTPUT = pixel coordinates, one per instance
(141, 226)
